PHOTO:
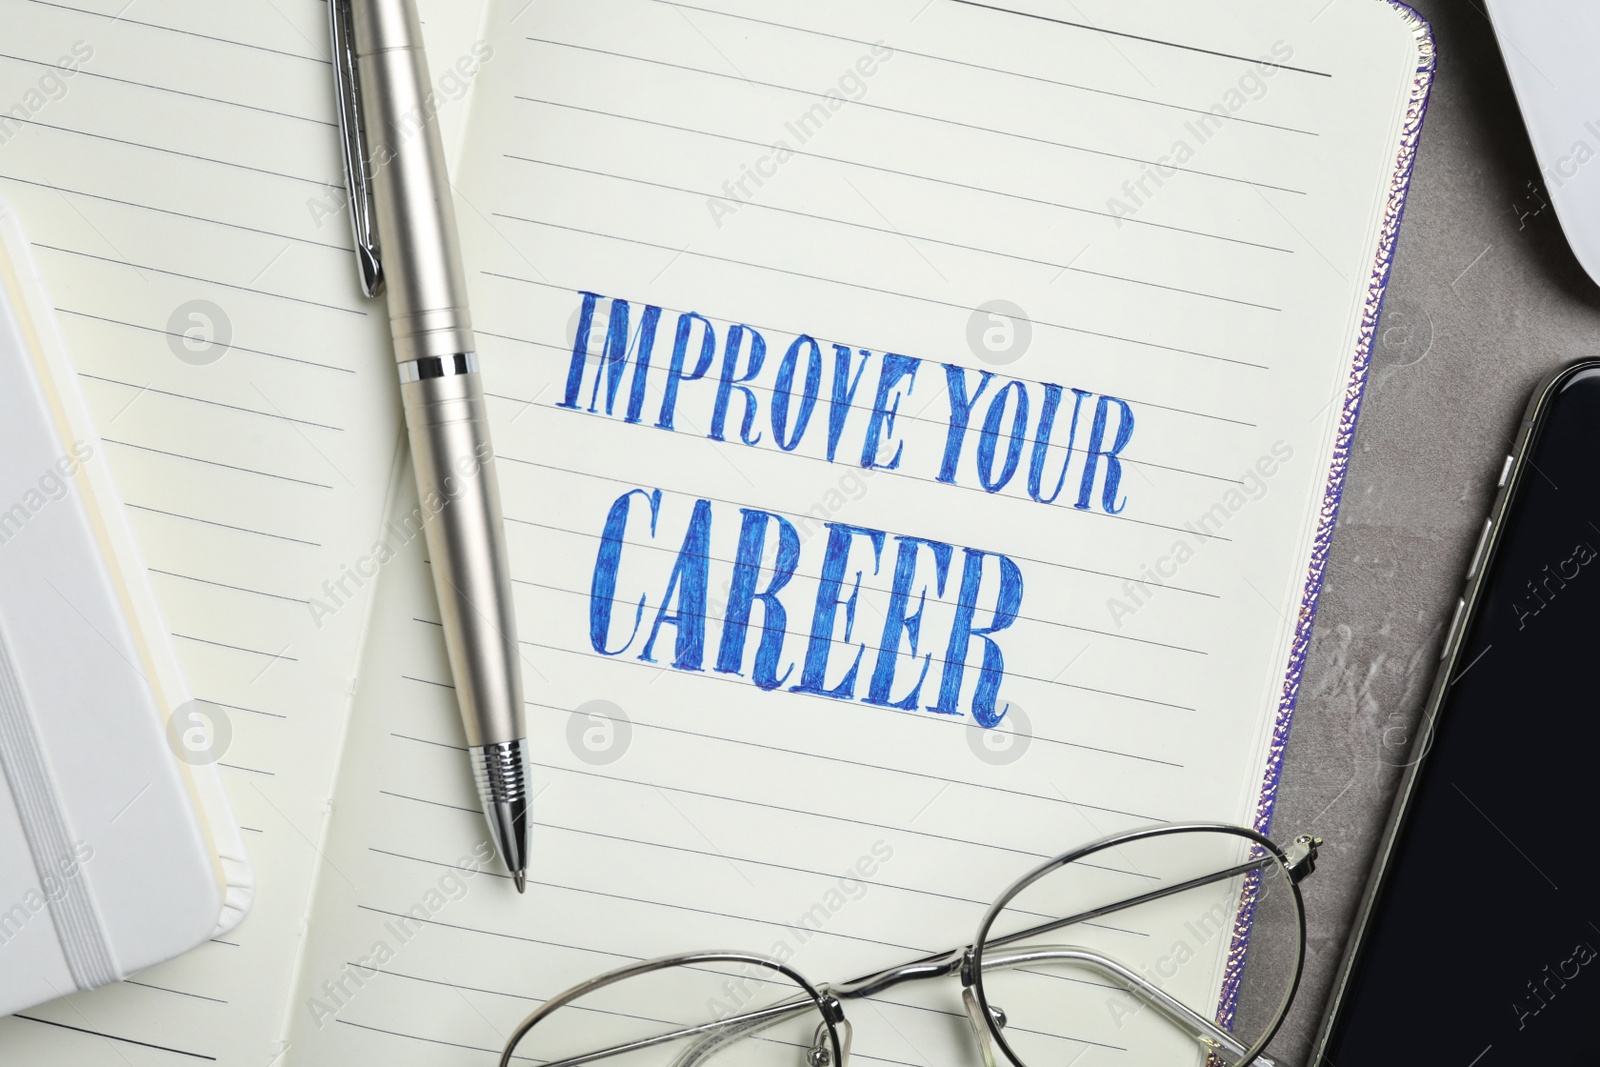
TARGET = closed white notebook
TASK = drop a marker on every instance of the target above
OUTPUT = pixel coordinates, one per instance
(117, 847)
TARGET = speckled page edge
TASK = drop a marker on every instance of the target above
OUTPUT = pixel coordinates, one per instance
(1399, 185)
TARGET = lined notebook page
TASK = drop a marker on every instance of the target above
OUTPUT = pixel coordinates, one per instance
(176, 189)
(873, 178)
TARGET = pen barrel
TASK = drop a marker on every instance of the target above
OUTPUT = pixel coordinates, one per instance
(412, 203)
(460, 499)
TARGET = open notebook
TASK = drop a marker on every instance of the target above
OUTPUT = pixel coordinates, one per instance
(766, 259)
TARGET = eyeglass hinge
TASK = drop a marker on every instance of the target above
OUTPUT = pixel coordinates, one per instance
(1301, 857)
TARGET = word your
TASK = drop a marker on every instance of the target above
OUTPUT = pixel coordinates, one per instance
(451, 888)
(1251, 86)
(1554, 581)
(992, 423)
(337, 592)
(851, 85)
(1554, 982)
(914, 607)
(52, 486)
(850, 887)
(51, 86)
(451, 86)
(55, 885)
(1253, 486)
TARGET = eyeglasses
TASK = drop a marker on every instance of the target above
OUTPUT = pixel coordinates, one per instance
(1179, 944)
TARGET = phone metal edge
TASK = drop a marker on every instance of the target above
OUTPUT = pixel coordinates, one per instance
(1533, 415)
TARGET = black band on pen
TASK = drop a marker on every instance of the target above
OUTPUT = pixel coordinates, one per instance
(418, 370)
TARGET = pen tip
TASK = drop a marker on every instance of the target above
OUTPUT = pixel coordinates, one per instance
(521, 880)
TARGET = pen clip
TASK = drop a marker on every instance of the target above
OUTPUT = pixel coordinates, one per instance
(353, 138)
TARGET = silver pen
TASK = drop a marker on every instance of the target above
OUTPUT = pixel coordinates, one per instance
(406, 242)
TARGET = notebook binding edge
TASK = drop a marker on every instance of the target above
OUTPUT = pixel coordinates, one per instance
(1355, 386)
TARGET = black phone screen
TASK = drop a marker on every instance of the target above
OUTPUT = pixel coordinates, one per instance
(1483, 947)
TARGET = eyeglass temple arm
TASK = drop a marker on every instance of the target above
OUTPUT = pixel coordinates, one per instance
(1205, 1031)
(1300, 856)
(739, 1025)
(1235, 871)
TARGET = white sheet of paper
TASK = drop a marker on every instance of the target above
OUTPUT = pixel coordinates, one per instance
(183, 189)
(868, 177)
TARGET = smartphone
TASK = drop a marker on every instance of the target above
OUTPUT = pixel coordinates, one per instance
(1477, 943)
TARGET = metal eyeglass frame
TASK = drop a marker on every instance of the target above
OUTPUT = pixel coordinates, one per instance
(969, 962)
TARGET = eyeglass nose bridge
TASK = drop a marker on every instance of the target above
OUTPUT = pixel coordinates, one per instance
(980, 1030)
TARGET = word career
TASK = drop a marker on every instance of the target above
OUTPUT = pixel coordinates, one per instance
(941, 606)
(994, 432)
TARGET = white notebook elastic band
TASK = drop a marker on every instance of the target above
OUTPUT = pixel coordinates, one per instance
(39, 806)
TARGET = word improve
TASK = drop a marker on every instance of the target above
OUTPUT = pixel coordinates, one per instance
(1011, 420)
(941, 604)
